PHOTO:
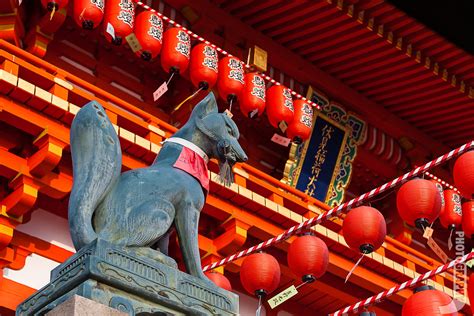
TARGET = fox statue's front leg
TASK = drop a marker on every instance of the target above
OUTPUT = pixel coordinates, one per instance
(187, 221)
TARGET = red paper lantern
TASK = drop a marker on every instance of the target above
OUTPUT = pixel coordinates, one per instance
(279, 105)
(260, 274)
(308, 257)
(252, 98)
(418, 202)
(231, 78)
(219, 279)
(88, 14)
(175, 50)
(468, 218)
(440, 189)
(299, 129)
(149, 33)
(364, 229)
(463, 174)
(427, 301)
(54, 4)
(203, 68)
(118, 19)
(451, 216)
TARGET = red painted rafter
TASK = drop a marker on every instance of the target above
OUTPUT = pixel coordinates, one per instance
(410, 91)
(382, 79)
(289, 17)
(370, 66)
(280, 10)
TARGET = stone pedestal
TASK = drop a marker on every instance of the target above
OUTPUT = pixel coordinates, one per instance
(135, 281)
(80, 306)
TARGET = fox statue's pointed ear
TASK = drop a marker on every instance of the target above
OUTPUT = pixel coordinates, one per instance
(205, 107)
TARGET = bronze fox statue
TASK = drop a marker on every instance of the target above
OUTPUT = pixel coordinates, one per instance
(137, 208)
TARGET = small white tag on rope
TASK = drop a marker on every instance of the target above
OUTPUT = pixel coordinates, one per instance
(437, 250)
(160, 91)
(353, 268)
(428, 232)
(280, 140)
(253, 113)
(110, 29)
(19, 2)
(228, 113)
(133, 42)
(283, 126)
(450, 240)
(282, 297)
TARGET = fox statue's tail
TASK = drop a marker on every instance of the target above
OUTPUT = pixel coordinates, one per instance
(97, 161)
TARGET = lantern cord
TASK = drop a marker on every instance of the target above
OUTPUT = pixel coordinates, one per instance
(259, 308)
(171, 77)
(230, 105)
(185, 100)
(52, 12)
(450, 240)
(305, 282)
(354, 267)
(81, 16)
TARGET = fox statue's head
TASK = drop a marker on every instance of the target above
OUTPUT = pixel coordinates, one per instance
(217, 135)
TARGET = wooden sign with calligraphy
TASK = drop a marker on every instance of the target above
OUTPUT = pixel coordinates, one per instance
(318, 164)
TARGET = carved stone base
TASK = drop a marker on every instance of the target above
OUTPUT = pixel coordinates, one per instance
(132, 281)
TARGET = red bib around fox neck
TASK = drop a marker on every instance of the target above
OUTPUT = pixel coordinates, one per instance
(193, 163)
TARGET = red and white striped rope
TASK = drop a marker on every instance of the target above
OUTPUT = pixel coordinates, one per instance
(222, 51)
(382, 295)
(343, 207)
(442, 182)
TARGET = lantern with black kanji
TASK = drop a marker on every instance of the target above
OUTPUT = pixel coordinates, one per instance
(203, 68)
(440, 189)
(300, 128)
(252, 98)
(88, 14)
(279, 105)
(451, 216)
(308, 257)
(364, 229)
(463, 174)
(418, 202)
(428, 301)
(260, 274)
(468, 218)
(230, 82)
(175, 51)
(118, 20)
(219, 279)
(54, 5)
(149, 33)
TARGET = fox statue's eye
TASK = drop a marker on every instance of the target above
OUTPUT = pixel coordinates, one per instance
(230, 131)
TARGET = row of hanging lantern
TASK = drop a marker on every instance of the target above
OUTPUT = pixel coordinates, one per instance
(206, 70)
(420, 202)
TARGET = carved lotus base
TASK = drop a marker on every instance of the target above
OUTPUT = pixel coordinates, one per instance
(130, 280)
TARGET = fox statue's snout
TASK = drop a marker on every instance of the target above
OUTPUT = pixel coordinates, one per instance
(230, 150)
